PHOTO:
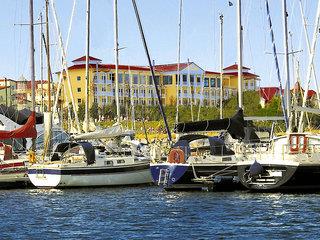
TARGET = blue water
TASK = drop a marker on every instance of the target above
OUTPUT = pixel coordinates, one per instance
(150, 213)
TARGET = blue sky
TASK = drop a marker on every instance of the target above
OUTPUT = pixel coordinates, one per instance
(200, 33)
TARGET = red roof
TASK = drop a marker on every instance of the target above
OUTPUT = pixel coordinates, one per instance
(210, 72)
(111, 66)
(83, 58)
(311, 93)
(267, 93)
(235, 67)
(171, 67)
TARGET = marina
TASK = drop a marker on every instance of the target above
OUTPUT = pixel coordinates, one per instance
(113, 148)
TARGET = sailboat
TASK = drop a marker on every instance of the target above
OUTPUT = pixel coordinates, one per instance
(198, 161)
(86, 160)
(291, 161)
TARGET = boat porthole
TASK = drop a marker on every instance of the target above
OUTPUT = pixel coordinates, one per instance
(173, 179)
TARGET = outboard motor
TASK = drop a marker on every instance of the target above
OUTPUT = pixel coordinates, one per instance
(255, 169)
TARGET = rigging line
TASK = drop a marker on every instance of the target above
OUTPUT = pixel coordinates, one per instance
(66, 49)
(276, 63)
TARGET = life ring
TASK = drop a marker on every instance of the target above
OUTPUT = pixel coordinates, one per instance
(176, 155)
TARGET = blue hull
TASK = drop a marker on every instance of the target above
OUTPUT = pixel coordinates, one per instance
(167, 174)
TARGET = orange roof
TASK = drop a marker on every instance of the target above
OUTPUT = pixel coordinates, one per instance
(244, 74)
(83, 58)
(3, 87)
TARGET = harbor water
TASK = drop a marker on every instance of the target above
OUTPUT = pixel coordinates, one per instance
(151, 213)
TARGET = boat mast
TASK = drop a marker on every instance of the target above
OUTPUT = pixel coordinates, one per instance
(48, 56)
(41, 62)
(190, 92)
(152, 70)
(311, 57)
(286, 63)
(221, 64)
(32, 76)
(86, 128)
(239, 36)
(116, 57)
(178, 77)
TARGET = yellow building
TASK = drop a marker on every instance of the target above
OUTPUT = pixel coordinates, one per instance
(135, 84)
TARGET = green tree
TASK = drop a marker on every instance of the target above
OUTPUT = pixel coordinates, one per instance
(94, 111)
(81, 111)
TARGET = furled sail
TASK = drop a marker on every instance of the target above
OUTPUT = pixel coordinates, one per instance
(28, 130)
(110, 132)
(234, 125)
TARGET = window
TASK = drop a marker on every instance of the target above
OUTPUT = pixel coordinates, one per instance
(95, 77)
(206, 82)
(135, 79)
(95, 100)
(111, 76)
(191, 79)
(103, 89)
(212, 82)
(184, 78)
(156, 79)
(120, 78)
(110, 163)
(78, 78)
(121, 161)
(218, 82)
(103, 77)
(79, 100)
(198, 79)
(78, 89)
(127, 78)
(167, 80)
(142, 79)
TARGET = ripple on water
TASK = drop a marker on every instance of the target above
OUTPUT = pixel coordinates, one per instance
(149, 212)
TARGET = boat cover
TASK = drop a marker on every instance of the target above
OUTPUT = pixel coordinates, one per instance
(19, 117)
(110, 132)
(26, 131)
(234, 125)
(87, 147)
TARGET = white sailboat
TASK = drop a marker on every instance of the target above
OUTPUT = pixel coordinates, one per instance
(291, 161)
(89, 161)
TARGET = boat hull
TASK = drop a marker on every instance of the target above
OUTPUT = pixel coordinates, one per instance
(285, 176)
(13, 174)
(221, 177)
(65, 177)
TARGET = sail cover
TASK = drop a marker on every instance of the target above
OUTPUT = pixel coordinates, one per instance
(19, 117)
(110, 132)
(26, 131)
(234, 126)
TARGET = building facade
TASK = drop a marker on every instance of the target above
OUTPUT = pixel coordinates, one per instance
(192, 84)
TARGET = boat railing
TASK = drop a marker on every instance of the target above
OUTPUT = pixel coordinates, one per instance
(259, 149)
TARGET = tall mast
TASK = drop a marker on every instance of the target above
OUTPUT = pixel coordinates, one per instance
(32, 77)
(116, 57)
(178, 78)
(86, 129)
(286, 62)
(152, 70)
(48, 56)
(221, 64)
(41, 63)
(239, 38)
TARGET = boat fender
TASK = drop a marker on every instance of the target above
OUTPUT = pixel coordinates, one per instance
(32, 157)
(255, 169)
(176, 155)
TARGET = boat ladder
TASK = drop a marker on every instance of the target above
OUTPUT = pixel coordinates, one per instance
(163, 177)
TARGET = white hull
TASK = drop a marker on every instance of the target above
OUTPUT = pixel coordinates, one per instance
(51, 178)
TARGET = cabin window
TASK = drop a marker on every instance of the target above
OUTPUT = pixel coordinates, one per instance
(109, 163)
(79, 78)
(120, 161)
